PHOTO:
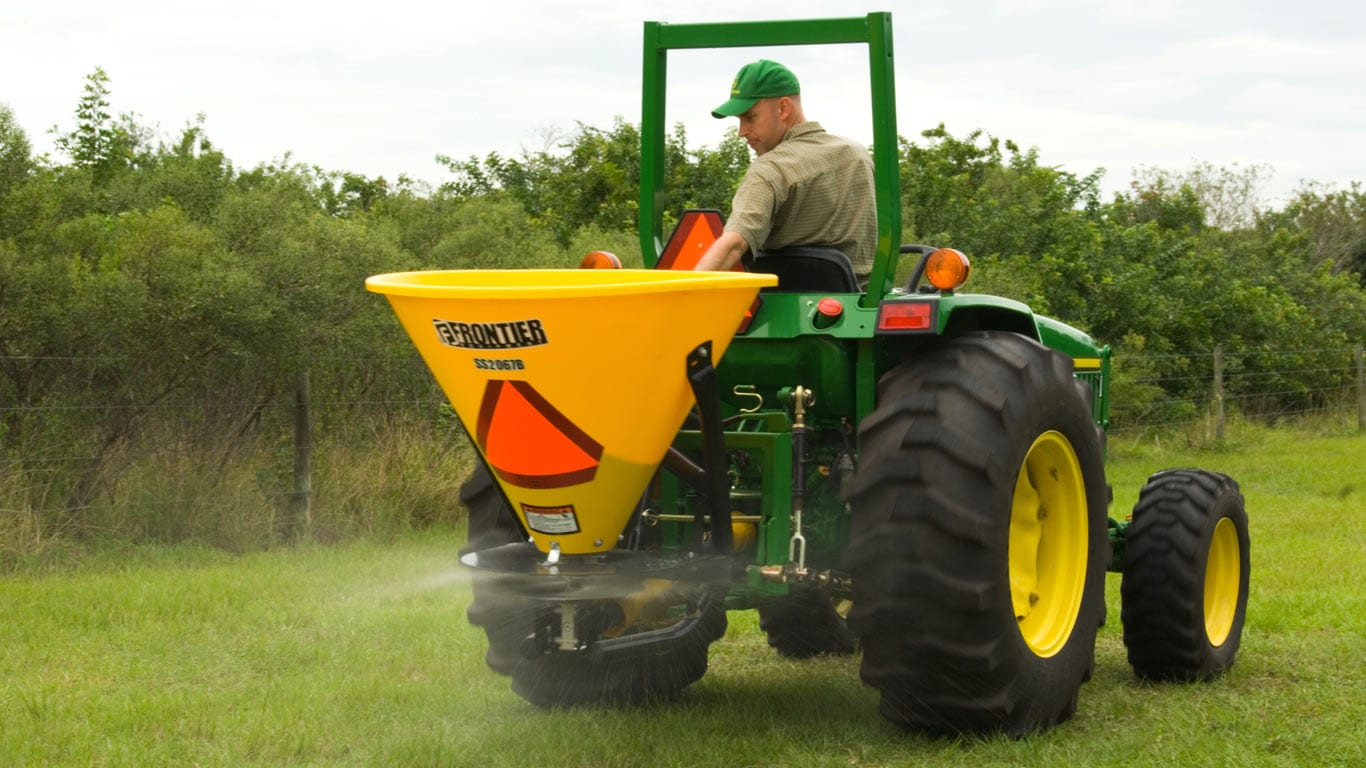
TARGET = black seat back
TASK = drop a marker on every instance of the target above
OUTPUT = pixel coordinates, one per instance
(808, 268)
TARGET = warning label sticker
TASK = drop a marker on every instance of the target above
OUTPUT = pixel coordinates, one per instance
(555, 520)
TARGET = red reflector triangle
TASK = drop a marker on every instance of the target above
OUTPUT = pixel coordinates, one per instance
(695, 233)
(530, 444)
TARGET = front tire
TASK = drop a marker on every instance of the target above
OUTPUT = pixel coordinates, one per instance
(491, 523)
(807, 622)
(978, 548)
(1186, 572)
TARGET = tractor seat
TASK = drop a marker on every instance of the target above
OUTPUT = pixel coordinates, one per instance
(808, 269)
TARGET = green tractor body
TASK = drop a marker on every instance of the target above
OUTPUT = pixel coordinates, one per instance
(910, 472)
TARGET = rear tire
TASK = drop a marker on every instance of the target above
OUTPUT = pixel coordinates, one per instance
(979, 541)
(1186, 572)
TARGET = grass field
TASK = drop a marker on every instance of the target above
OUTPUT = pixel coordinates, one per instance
(360, 655)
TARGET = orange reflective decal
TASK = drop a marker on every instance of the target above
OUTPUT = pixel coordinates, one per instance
(530, 444)
(695, 233)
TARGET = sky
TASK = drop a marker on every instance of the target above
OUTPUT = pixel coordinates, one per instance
(382, 88)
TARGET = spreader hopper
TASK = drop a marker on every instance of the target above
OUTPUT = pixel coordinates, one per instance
(573, 383)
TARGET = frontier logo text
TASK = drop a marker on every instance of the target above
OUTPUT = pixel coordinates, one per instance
(517, 334)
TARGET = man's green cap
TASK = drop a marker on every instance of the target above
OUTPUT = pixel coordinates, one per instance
(762, 79)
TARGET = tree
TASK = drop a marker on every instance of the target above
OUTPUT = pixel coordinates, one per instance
(1028, 227)
(591, 178)
(16, 162)
(349, 194)
(701, 177)
(1229, 197)
(150, 287)
(1333, 223)
(190, 172)
(99, 143)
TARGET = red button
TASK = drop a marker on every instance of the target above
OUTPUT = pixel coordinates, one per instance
(830, 307)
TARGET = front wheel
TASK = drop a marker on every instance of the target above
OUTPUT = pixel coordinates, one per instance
(1186, 569)
(806, 623)
(491, 523)
(978, 548)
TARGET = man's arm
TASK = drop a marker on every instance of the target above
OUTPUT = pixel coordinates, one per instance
(724, 253)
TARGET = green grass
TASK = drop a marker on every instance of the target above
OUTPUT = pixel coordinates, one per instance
(360, 655)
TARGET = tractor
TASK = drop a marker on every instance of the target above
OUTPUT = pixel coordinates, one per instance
(910, 472)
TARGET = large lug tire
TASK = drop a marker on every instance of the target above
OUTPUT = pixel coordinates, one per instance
(559, 679)
(505, 621)
(979, 540)
(806, 623)
(1185, 583)
(491, 523)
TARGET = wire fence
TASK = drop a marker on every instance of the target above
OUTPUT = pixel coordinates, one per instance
(1310, 382)
(1262, 384)
(373, 437)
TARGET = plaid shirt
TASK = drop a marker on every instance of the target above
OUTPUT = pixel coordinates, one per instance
(813, 188)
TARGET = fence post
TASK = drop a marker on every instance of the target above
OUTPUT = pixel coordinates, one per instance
(1361, 388)
(300, 503)
(1219, 393)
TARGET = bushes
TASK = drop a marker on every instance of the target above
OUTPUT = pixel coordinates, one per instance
(157, 305)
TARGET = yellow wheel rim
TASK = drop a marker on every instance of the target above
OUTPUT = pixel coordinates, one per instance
(1048, 544)
(1223, 577)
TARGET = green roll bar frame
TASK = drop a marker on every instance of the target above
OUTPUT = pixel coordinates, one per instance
(874, 30)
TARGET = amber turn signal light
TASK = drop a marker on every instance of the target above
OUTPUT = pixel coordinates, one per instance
(600, 260)
(947, 269)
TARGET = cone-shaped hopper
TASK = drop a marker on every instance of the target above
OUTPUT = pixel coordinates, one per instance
(572, 382)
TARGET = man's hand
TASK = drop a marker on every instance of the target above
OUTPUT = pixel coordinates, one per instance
(724, 253)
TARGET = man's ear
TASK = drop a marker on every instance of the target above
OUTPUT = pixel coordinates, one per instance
(785, 107)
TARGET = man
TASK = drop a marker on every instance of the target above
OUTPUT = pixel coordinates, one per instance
(805, 187)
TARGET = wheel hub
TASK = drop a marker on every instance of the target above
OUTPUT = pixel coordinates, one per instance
(1048, 544)
(1222, 577)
